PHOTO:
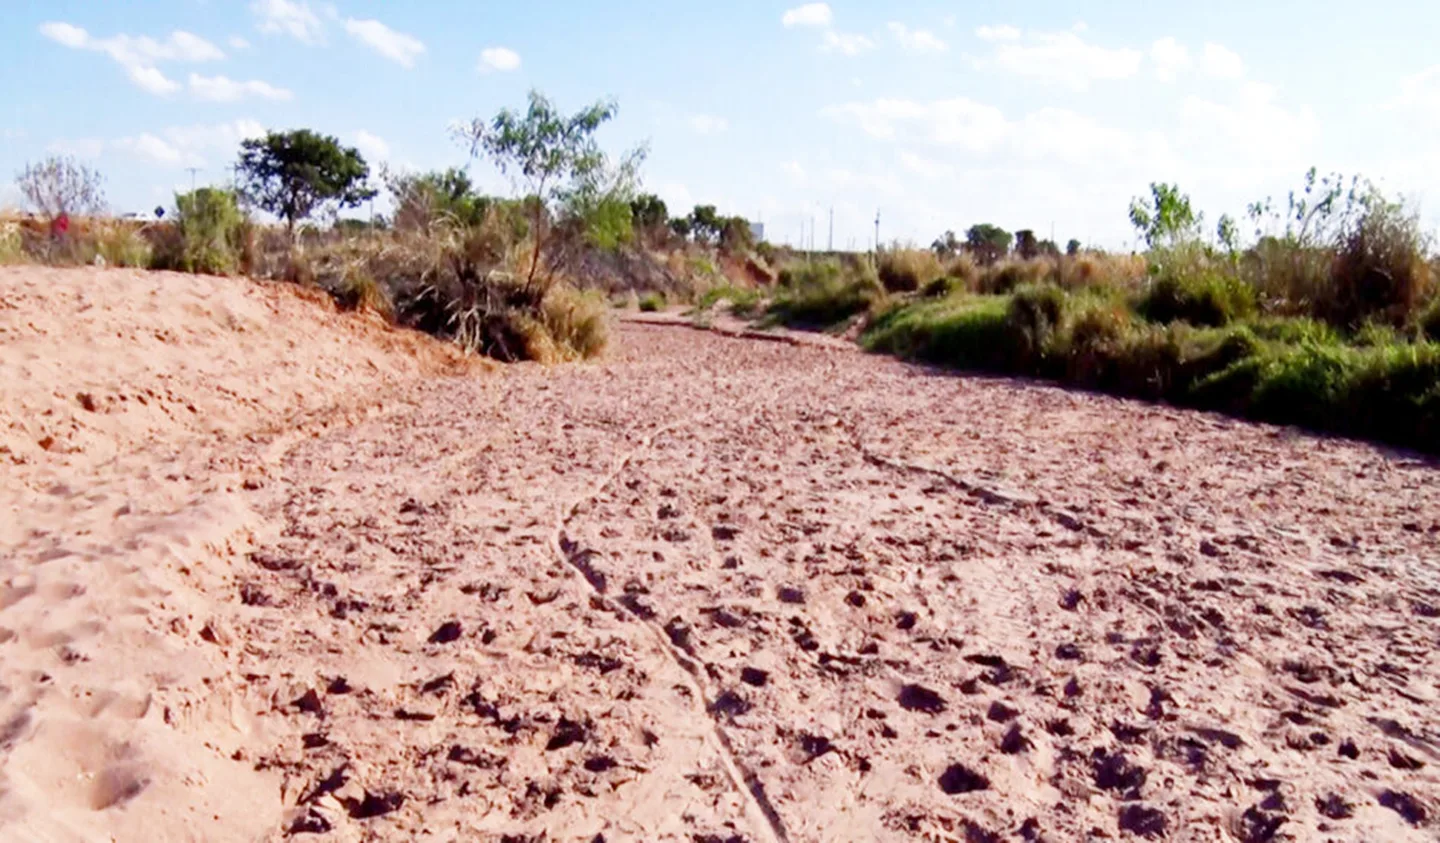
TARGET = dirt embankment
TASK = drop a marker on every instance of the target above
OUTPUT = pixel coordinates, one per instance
(134, 409)
(710, 588)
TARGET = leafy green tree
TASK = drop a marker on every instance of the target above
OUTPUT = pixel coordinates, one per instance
(988, 243)
(1228, 233)
(705, 224)
(736, 235)
(649, 212)
(292, 174)
(1072, 248)
(681, 227)
(1165, 217)
(552, 153)
(599, 202)
(1026, 246)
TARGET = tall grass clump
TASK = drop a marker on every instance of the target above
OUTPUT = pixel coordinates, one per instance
(825, 293)
(12, 248)
(906, 270)
(1380, 269)
(121, 244)
(1194, 292)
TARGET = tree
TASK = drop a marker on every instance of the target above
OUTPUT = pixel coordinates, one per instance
(736, 235)
(946, 246)
(292, 174)
(419, 197)
(1026, 246)
(1049, 249)
(61, 186)
(988, 243)
(681, 227)
(705, 223)
(649, 212)
(1165, 218)
(1073, 247)
(598, 202)
(545, 149)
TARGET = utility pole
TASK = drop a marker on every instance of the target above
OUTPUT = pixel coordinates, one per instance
(193, 171)
(877, 236)
(830, 247)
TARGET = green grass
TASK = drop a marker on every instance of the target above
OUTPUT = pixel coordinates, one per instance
(1378, 386)
(825, 294)
(651, 302)
(744, 301)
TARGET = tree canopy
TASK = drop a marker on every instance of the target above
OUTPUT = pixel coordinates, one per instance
(988, 243)
(292, 174)
(558, 159)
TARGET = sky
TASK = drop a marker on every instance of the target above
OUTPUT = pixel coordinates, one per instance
(936, 115)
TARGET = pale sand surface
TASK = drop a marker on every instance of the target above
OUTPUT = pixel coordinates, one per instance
(705, 589)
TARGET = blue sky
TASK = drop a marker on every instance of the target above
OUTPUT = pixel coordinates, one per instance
(939, 114)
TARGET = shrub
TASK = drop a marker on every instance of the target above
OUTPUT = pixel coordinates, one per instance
(906, 270)
(1380, 269)
(1290, 277)
(1034, 316)
(1006, 275)
(652, 302)
(205, 236)
(574, 323)
(1076, 272)
(943, 286)
(1198, 295)
(119, 244)
(11, 245)
(824, 293)
(962, 268)
(360, 291)
(1428, 320)
(966, 331)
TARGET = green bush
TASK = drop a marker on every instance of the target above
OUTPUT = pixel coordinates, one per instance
(825, 293)
(651, 302)
(1204, 298)
(1288, 371)
(1428, 321)
(205, 236)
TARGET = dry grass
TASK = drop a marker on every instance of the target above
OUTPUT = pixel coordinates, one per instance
(907, 270)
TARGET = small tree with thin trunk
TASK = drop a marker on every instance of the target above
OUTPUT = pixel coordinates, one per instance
(550, 152)
(292, 174)
(60, 185)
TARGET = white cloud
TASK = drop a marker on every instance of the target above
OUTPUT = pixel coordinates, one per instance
(1062, 58)
(152, 80)
(295, 19)
(1251, 125)
(373, 147)
(501, 59)
(139, 55)
(1059, 134)
(997, 33)
(1170, 58)
(795, 170)
(953, 122)
(708, 124)
(916, 40)
(1221, 62)
(155, 150)
(849, 44)
(810, 14)
(183, 146)
(238, 43)
(224, 89)
(66, 34)
(397, 46)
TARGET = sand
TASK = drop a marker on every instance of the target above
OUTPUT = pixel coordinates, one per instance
(708, 588)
